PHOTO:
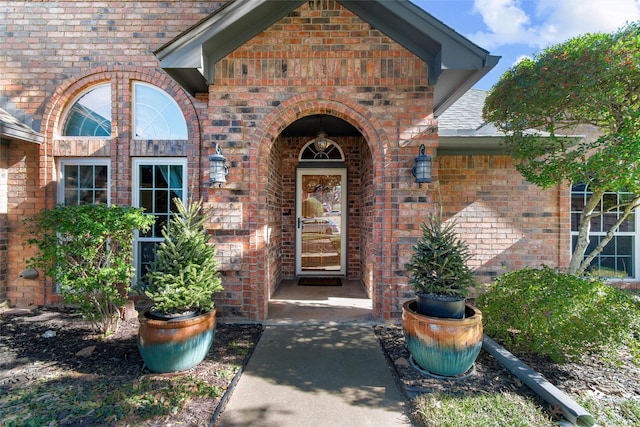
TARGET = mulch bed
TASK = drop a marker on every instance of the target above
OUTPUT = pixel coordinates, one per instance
(78, 354)
(590, 378)
(27, 355)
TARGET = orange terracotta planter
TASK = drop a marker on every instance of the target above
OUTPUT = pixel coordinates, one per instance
(446, 347)
(171, 346)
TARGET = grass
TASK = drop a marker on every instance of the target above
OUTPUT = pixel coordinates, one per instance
(479, 410)
(511, 410)
(57, 401)
(612, 412)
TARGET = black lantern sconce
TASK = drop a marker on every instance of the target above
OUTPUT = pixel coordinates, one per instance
(422, 170)
(218, 169)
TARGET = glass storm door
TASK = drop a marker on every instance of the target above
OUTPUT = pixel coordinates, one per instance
(321, 219)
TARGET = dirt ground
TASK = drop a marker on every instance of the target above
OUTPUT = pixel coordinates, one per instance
(39, 343)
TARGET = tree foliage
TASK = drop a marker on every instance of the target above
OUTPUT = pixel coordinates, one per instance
(588, 80)
(439, 261)
(184, 275)
(88, 251)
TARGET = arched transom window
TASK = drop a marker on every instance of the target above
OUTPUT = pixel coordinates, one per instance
(327, 151)
(156, 114)
(90, 114)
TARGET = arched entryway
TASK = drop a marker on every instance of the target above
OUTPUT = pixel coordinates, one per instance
(340, 183)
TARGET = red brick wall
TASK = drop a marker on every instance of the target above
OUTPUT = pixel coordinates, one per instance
(319, 62)
(507, 222)
(4, 226)
(51, 51)
(313, 61)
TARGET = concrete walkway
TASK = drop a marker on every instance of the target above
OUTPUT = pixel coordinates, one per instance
(316, 375)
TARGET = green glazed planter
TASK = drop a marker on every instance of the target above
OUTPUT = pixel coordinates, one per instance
(441, 346)
(175, 345)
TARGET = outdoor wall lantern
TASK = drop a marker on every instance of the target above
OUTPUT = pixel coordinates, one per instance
(218, 169)
(422, 170)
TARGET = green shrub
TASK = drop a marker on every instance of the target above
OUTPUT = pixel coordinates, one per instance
(560, 315)
(88, 251)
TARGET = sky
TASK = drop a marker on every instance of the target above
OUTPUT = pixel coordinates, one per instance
(515, 29)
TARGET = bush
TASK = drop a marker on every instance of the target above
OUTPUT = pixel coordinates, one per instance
(560, 315)
(88, 251)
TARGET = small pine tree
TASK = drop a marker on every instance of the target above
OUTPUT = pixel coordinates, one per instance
(439, 262)
(184, 275)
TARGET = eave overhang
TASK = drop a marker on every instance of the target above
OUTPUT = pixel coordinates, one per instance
(12, 129)
(455, 64)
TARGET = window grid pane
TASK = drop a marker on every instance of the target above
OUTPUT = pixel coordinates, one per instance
(157, 115)
(81, 185)
(157, 186)
(619, 254)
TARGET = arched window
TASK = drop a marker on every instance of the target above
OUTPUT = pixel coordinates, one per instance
(90, 114)
(330, 151)
(156, 115)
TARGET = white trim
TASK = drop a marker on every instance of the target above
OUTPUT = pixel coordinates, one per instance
(635, 234)
(135, 191)
(70, 161)
(331, 144)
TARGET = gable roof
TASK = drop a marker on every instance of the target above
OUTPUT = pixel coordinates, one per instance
(14, 130)
(455, 63)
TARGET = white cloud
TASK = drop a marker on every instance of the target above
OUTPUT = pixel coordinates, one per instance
(544, 22)
(520, 59)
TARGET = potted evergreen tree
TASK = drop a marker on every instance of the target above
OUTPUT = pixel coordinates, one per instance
(442, 331)
(177, 331)
(439, 271)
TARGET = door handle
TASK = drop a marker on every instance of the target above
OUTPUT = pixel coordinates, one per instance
(299, 222)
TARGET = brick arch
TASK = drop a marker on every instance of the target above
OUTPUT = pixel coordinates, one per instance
(309, 104)
(346, 109)
(121, 78)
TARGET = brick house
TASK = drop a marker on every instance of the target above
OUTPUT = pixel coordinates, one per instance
(126, 103)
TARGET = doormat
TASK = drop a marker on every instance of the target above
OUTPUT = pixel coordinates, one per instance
(320, 281)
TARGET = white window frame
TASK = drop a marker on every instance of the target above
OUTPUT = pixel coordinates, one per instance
(135, 193)
(67, 111)
(83, 161)
(134, 105)
(635, 234)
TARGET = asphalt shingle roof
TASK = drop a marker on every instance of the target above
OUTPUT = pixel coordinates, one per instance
(464, 117)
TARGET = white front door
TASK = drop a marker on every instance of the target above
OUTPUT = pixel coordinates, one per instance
(321, 221)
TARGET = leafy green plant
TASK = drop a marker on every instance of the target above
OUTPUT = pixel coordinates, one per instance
(560, 315)
(439, 261)
(184, 275)
(88, 251)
